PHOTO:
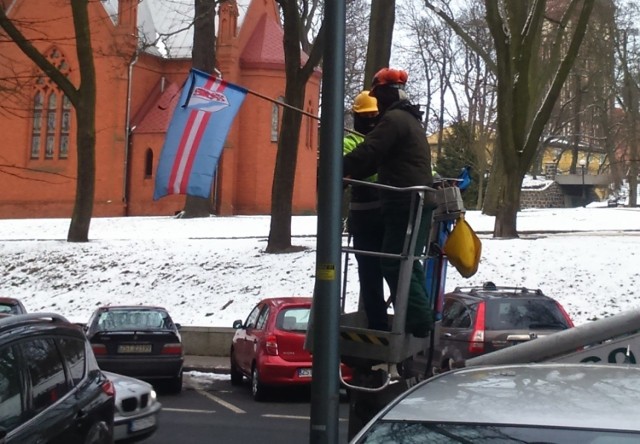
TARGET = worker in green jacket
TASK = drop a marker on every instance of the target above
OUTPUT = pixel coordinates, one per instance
(364, 221)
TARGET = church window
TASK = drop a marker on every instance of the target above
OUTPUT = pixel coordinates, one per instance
(51, 114)
(148, 164)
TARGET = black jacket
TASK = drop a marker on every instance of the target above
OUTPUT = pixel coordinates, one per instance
(397, 149)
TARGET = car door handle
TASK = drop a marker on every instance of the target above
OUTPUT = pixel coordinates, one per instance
(81, 414)
(447, 335)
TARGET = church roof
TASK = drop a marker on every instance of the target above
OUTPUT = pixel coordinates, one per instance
(154, 116)
(264, 48)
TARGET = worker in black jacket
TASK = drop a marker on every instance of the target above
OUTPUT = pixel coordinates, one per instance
(397, 150)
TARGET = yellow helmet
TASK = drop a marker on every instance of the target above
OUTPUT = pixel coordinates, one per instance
(364, 103)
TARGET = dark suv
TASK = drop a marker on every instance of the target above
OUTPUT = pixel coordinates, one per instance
(51, 389)
(479, 320)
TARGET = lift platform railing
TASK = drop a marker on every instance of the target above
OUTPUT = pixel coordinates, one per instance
(356, 340)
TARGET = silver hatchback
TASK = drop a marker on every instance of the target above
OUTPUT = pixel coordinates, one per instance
(525, 403)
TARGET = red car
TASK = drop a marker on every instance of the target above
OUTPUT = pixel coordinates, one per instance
(268, 347)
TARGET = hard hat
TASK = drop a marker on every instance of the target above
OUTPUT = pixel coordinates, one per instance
(389, 76)
(364, 103)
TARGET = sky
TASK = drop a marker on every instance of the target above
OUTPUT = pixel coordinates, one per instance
(212, 271)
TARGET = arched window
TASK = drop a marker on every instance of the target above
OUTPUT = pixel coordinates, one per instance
(65, 126)
(36, 132)
(148, 164)
(275, 119)
(51, 114)
(52, 109)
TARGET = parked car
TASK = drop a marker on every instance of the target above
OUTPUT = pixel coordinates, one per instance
(138, 341)
(137, 409)
(51, 389)
(268, 347)
(479, 320)
(11, 306)
(509, 404)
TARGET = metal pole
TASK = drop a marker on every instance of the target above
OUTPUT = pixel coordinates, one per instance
(325, 396)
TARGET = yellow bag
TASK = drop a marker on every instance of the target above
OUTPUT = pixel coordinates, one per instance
(463, 248)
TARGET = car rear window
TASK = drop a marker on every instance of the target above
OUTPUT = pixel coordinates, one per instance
(114, 320)
(524, 314)
(293, 319)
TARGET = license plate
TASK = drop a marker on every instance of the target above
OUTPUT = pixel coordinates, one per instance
(142, 423)
(304, 372)
(134, 348)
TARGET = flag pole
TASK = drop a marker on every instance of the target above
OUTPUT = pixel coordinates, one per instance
(286, 105)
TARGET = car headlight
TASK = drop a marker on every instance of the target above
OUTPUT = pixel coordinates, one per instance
(152, 397)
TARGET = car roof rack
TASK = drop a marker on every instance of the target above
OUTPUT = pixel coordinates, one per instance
(20, 318)
(490, 286)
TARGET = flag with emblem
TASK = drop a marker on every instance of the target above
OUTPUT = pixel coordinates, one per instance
(196, 135)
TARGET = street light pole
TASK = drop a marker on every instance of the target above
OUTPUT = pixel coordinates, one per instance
(583, 163)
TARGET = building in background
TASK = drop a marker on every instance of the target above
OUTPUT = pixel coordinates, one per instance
(142, 54)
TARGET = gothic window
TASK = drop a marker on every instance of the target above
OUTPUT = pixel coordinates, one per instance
(65, 125)
(275, 119)
(52, 108)
(36, 132)
(148, 164)
(51, 114)
(310, 127)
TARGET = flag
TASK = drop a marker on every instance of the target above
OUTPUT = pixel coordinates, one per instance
(196, 135)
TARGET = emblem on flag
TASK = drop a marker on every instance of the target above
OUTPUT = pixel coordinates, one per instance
(196, 135)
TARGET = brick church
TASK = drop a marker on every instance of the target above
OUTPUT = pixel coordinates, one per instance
(142, 51)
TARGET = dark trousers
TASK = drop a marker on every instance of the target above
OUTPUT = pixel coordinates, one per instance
(367, 229)
(419, 318)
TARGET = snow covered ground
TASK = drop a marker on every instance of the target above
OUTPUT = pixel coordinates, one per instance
(209, 272)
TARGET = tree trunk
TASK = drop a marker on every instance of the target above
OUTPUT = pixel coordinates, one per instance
(203, 57)
(285, 170)
(508, 206)
(86, 130)
(86, 170)
(381, 22)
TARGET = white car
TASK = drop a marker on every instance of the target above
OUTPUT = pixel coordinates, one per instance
(136, 408)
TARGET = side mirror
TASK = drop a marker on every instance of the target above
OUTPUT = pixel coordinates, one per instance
(178, 326)
(237, 324)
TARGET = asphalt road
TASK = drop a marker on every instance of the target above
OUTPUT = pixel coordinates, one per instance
(215, 412)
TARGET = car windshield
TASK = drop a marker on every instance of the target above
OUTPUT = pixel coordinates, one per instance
(445, 433)
(293, 319)
(114, 320)
(524, 314)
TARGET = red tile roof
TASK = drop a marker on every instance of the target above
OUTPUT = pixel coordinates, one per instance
(264, 48)
(154, 116)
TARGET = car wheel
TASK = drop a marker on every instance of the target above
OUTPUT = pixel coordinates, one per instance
(257, 388)
(175, 384)
(99, 433)
(236, 375)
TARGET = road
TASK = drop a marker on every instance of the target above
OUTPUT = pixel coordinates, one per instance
(212, 411)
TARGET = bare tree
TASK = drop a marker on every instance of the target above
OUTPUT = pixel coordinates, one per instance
(300, 18)
(82, 98)
(628, 55)
(203, 57)
(528, 85)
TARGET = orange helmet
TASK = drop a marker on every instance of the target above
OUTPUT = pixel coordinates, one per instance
(389, 76)
(364, 103)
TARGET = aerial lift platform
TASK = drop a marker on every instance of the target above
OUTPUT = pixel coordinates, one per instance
(376, 356)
